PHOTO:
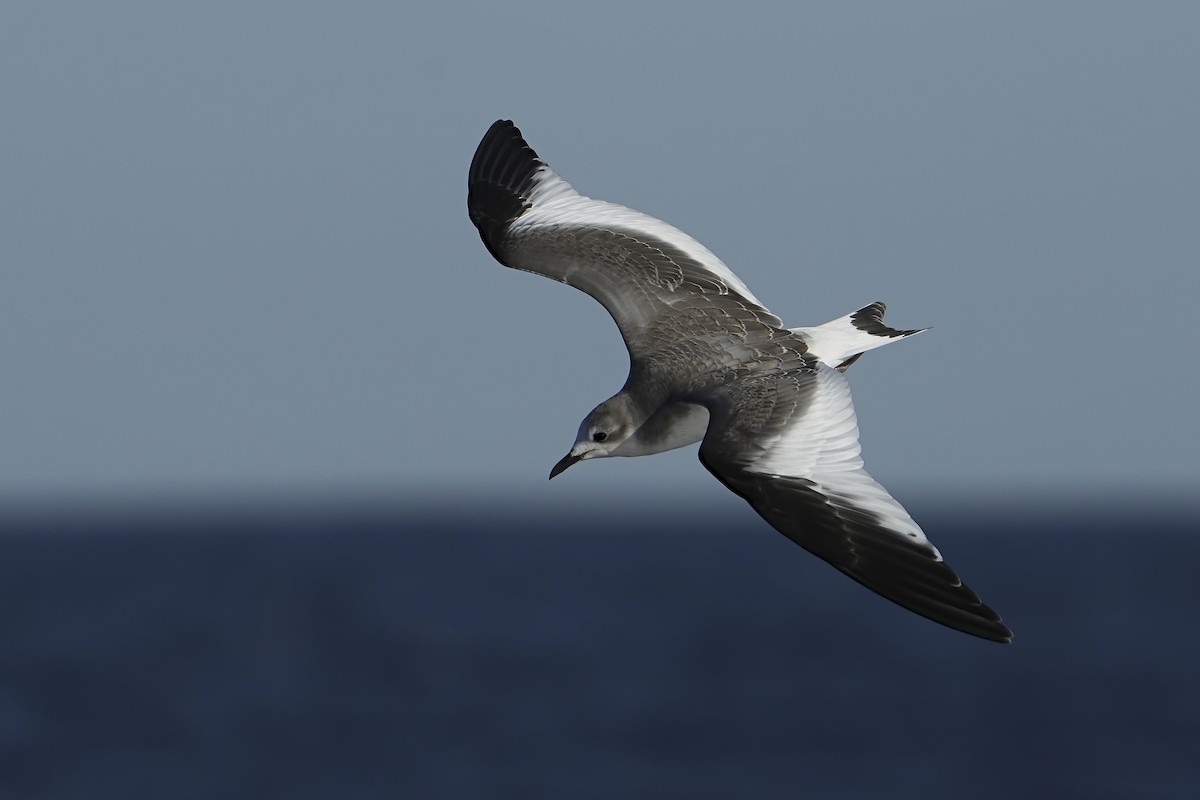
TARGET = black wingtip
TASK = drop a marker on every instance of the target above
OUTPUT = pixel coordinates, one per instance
(499, 182)
(930, 589)
(859, 545)
(869, 319)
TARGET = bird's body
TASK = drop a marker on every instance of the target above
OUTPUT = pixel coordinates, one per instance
(709, 363)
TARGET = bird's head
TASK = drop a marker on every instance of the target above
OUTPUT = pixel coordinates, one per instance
(602, 431)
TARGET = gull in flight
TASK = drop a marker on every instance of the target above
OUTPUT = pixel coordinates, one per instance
(710, 364)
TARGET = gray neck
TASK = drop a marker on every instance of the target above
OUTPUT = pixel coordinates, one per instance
(645, 393)
(672, 425)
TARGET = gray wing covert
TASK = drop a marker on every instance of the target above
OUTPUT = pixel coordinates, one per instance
(656, 282)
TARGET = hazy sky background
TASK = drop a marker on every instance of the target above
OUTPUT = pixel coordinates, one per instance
(234, 250)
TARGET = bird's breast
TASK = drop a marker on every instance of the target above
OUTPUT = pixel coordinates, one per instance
(675, 424)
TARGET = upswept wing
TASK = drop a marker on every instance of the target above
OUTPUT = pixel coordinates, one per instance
(787, 442)
(657, 282)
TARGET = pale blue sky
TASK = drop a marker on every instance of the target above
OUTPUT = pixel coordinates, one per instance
(234, 252)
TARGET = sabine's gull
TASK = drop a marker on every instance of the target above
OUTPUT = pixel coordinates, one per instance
(710, 364)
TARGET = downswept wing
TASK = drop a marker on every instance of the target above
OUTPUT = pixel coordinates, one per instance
(787, 442)
(657, 282)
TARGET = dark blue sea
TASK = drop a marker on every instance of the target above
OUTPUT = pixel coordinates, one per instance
(328, 650)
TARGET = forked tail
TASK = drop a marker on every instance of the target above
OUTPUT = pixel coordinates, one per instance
(840, 342)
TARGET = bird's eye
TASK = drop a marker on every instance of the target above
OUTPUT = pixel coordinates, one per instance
(599, 436)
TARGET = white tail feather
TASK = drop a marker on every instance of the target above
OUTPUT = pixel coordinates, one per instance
(839, 342)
